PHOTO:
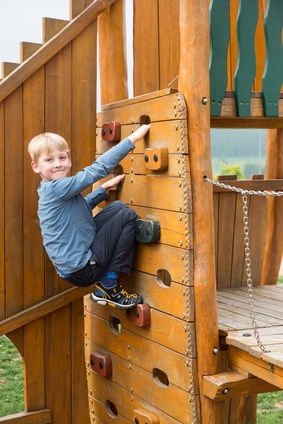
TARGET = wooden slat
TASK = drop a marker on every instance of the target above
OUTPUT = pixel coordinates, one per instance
(38, 417)
(120, 399)
(157, 332)
(145, 191)
(14, 202)
(177, 261)
(132, 348)
(142, 384)
(146, 72)
(162, 134)
(112, 53)
(51, 27)
(28, 49)
(58, 120)
(2, 213)
(77, 6)
(7, 68)
(162, 108)
(52, 47)
(169, 42)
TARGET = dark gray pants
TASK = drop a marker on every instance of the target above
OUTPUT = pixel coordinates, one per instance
(113, 246)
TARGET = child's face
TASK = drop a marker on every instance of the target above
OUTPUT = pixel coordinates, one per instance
(52, 166)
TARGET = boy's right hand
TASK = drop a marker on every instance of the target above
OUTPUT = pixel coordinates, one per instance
(139, 133)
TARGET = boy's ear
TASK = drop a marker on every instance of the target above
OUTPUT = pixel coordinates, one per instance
(35, 167)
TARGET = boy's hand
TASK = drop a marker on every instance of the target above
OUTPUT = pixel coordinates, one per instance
(139, 133)
(113, 182)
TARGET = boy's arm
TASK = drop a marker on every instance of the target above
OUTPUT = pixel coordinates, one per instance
(101, 193)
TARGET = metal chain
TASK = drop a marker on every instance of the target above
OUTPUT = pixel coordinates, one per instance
(244, 194)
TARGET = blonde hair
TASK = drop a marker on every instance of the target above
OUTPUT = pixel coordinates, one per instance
(46, 143)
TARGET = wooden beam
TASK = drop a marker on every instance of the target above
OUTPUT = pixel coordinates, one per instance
(43, 308)
(227, 385)
(194, 84)
(38, 417)
(52, 47)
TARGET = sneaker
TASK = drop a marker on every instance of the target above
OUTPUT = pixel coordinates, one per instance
(116, 296)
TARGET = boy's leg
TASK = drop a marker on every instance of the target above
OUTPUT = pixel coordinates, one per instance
(113, 250)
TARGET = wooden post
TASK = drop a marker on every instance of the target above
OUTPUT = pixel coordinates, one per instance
(112, 56)
(194, 84)
(274, 240)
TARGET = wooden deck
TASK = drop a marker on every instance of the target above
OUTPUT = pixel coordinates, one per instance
(235, 327)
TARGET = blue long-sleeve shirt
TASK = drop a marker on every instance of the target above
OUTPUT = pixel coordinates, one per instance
(65, 216)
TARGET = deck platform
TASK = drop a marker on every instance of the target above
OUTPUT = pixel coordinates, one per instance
(237, 333)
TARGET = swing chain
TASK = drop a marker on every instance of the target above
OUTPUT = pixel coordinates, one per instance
(244, 194)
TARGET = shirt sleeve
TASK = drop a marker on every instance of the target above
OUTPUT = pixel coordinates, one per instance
(95, 197)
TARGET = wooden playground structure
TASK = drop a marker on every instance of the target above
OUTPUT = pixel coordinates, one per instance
(209, 336)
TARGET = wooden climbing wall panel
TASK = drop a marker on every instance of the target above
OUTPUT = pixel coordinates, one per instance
(153, 377)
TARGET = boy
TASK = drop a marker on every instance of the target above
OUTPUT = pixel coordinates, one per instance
(83, 249)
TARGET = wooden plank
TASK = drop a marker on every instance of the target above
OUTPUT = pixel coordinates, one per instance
(169, 42)
(58, 120)
(162, 108)
(37, 417)
(51, 27)
(79, 389)
(83, 103)
(194, 84)
(144, 384)
(176, 228)
(168, 134)
(132, 348)
(77, 6)
(58, 376)
(83, 136)
(135, 164)
(52, 47)
(225, 238)
(152, 258)
(147, 191)
(157, 332)
(41, 309)
(2, 212)
(112, 53)
(274, 244)
(28, 49)
(14, 203)
(7, 68)
(146, 73)
(159, 295)
(102, 400)
(230, 384)
(256, 367)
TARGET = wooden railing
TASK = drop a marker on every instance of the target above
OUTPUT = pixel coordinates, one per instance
(256, 42)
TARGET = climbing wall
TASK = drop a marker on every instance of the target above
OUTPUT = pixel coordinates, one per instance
(141, 364)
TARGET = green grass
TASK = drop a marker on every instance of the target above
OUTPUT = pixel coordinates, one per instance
(11, 379)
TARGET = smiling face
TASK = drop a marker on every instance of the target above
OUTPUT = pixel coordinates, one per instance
(52, 166)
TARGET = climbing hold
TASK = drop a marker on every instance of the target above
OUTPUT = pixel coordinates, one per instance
(142, 416)
(156, 159)
(147, 231)
(101, 364)
(139, 315)
(111, 131)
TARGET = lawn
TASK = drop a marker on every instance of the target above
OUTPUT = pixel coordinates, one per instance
(270, 405)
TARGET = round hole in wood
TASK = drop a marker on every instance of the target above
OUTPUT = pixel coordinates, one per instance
(115, 325)
(111, 409)
(160, 378)
(163, 278)
(144, 119)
